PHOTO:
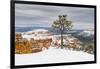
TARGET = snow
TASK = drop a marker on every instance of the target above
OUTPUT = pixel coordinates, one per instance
(37, 36)
(27, 36)
(52, 55)
(38, 30)
(89, 32)
(86, 33)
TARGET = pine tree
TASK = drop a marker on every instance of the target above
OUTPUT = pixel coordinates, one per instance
(62, 24)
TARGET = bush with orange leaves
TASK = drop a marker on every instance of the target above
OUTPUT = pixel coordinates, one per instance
(24, 46)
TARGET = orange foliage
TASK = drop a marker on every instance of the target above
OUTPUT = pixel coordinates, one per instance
(24, 46)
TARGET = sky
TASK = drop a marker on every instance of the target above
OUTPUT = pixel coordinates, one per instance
(28, 15)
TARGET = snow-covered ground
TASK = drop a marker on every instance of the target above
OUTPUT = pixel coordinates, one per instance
(52, 55)
(45, 34)
(86, 33)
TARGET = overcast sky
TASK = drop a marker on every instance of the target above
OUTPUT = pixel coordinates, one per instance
(43, 16)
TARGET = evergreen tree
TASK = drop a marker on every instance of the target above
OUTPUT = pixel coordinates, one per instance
(62, 24)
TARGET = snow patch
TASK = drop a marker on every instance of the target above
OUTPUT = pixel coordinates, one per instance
(52, 55)
(86, 33)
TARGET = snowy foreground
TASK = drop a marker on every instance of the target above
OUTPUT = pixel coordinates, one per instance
(52, 55)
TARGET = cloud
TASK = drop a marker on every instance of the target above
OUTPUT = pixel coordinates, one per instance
(41, 15)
